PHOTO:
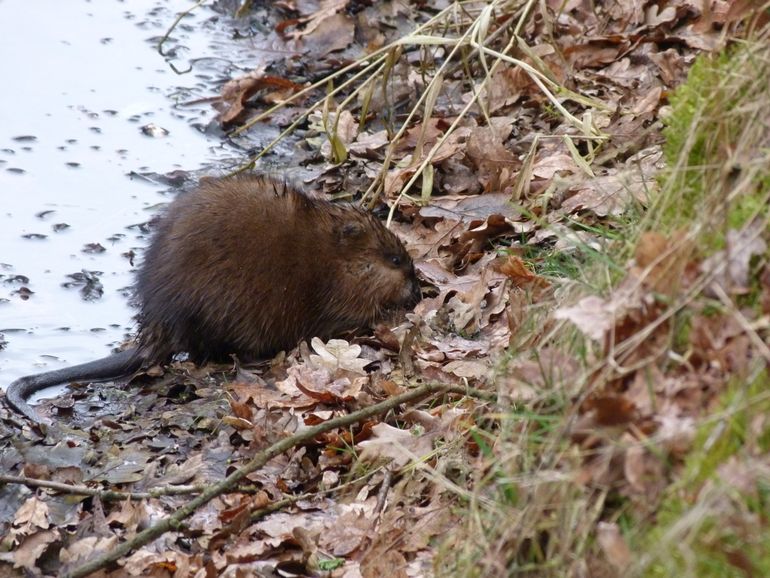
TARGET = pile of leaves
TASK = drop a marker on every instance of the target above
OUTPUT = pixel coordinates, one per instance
(547, 392)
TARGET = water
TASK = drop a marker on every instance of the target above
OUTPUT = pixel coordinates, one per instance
(80, 79)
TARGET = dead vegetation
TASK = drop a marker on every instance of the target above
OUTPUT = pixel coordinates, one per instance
(595, 319)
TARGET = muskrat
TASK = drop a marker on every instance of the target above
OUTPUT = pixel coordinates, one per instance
(250, 266)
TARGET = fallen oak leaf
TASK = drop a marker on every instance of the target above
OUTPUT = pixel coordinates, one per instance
(30, 517)
(661, 260)
(730, 267)
(614, 546)
(470, 208)
(592, 315)
(317, 383)
(241, 410)
(608, 194)
(397, 177)
(398, 445)
(312, 382)
(327, 9)
(86, 548)
(472, 244)
(474, 369)
(28, 552)
(148, 563)
(643, 470)
(327, 396)
(238, 91)
(331, 34)
(336, 355)
(515, 268)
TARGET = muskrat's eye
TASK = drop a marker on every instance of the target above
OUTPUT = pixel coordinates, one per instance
(396, 260)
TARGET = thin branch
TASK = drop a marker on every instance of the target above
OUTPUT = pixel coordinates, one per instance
(104, 495)
(171, 28)
(174, 522)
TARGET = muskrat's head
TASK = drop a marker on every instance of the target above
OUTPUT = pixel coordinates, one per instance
(378, 270)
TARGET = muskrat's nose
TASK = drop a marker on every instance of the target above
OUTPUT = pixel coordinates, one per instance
(415, 294)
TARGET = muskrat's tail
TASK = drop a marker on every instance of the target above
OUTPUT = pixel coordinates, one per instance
(110, 367)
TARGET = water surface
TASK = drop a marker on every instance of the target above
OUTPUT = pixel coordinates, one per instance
(81, 79)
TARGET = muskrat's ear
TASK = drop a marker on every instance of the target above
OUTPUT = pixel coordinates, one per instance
(351, 231)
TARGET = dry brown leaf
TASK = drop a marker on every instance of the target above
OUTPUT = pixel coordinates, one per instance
(424, 238)
(337, 355)
(486, 151)
(649, 102)
(471, 245)
(241, 410)
(549, 162)
(473, 369)
(348, 531)
(129, 516)
(285, 394)
(346, 130)
(236, 92)
(31, 516)
(623, 73)
(310, 381)
(644, 472)
(671, 66)
(655, 17)
(613, 545)
(592, 315)
(397, 178)
(143, 562)
(507, 85)
(331, 34)
(85, 548)
(390, 563)
(607, 195)
(706, 41)
(326, 9)
(472, 208)
(515, 269)
(367, 144)
(32, 547)
(596, 52)
(731, 266)
(466, 309)
(429, 131)
(396, 445)
(661, 261)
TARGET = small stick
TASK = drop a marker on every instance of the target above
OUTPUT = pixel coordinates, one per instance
(174, 522)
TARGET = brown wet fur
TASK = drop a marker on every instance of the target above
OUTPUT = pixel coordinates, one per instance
(250, 266)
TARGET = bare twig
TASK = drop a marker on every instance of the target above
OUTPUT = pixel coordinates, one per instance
(382, 495)
(171, 28)
(104, 495)
(174, 522)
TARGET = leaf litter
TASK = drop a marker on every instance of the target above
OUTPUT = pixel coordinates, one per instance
(485, 163)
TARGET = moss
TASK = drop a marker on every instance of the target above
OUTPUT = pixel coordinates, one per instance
(709, 133)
